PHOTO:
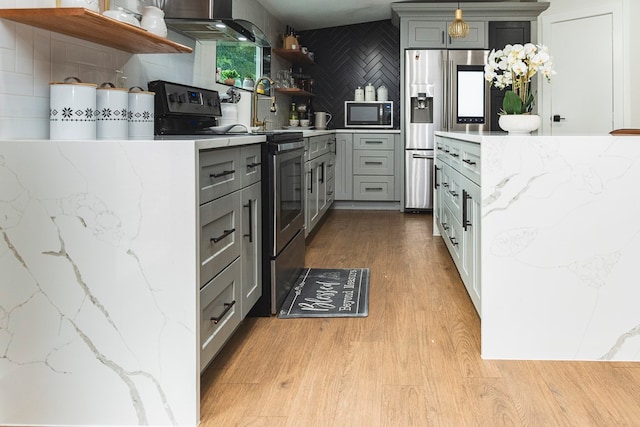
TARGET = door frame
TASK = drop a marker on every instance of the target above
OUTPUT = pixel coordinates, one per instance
(620, 63)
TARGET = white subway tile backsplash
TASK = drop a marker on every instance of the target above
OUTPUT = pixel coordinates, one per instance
(24, 49)
(16, 84)
(7, 34)
(41, 78)
(23, 106)
(41, 45)
(7, 60)
(24, 128)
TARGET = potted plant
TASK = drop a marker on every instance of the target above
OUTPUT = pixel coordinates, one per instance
(512, 68)
(229, 77)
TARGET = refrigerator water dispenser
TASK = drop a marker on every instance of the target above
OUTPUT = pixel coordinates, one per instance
(421, 108)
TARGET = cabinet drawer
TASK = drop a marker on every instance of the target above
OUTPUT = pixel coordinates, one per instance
(220, 235)
(366, 162)
(373, 187)
(219, 312)
(452, 234)
(319, 145)
(250, 156)
(373, 141)
(219, 173)
(452, 190)
(330, 166)
(470, 161)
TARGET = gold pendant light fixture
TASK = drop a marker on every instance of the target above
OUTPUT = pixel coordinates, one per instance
(458, 28)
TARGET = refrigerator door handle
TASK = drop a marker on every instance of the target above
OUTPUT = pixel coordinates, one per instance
(450, 122)
(422, 156)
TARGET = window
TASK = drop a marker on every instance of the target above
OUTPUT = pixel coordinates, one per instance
(238, 61)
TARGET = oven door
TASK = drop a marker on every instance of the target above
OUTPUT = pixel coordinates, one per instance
(288, 167)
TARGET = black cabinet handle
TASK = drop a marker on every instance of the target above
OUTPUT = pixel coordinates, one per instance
(225, 234)
(372, 163)
(227, 307)
(374, 189)
(250, 235)
(445, 227)
(435, 177)
(453, 241)
(322, 170)
(557, 118)
(453, 193)
(454, 155)
(224, 173)
(253, 165)
(311, 181)
(469, 162)
(465, 218)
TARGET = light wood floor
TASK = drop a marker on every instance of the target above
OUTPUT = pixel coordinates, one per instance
(415, 361)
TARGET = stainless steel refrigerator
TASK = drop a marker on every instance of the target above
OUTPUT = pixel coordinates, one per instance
(443, 90)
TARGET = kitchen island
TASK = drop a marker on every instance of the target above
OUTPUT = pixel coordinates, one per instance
(559, 244)
(99, 273)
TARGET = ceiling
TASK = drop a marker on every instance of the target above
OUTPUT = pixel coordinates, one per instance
(309, 15)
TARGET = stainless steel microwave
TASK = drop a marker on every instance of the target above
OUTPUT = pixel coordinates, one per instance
(368, 114)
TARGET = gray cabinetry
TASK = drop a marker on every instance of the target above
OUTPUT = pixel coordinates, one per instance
(457, 208)
(344, 167)
(319, 178)
(374, 167)
(433, 35)
(230, 242)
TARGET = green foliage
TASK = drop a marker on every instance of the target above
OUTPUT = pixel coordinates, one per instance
(229, 74)
(512, 104)
(238, 57)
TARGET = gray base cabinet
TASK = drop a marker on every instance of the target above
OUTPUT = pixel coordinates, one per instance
(320, 166)
(367, 167)
(230, 242)
(457, 208)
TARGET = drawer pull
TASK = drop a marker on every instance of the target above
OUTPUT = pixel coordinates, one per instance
(445, 227)
(224, 173)
(435, 177)
(469, 162)
(372, 163)
(373, 141)
(322, 170)
(465, 219)
(250, 235)
(454, 155)
(374, 189)
(253, 165)
(453, 193)
(225, 234)
(227, 307)
(453, 240)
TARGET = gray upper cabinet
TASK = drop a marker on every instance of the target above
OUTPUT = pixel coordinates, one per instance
(433, 35)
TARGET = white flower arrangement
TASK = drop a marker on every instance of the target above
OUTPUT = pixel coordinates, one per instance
(514, 66)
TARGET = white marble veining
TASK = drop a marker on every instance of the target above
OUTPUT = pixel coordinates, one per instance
(560, 242)
(98, 294)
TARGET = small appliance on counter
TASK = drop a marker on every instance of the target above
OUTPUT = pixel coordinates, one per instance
(372, 114)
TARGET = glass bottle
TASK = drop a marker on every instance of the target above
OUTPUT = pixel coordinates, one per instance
(294, 112)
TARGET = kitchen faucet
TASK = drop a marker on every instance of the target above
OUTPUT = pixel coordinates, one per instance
(255, 122)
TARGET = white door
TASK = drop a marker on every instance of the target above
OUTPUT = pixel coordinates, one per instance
(585, 96)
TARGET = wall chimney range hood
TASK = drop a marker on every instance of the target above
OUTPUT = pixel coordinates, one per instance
(211, 20)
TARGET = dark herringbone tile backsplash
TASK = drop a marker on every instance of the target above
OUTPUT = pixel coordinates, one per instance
(351, 56)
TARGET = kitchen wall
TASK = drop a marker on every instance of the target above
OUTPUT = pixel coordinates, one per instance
(31, 58)
(350, 56)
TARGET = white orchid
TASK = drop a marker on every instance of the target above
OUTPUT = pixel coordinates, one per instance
(514, 66)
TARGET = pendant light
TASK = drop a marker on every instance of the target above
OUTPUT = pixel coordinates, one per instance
(458, 28)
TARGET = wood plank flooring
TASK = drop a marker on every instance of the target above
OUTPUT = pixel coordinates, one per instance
(415, 361)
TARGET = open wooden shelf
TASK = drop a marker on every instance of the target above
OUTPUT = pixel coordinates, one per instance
(94, 27)
(294, 91)
(293, 55)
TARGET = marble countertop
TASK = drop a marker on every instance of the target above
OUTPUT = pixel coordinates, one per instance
(317, 132)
